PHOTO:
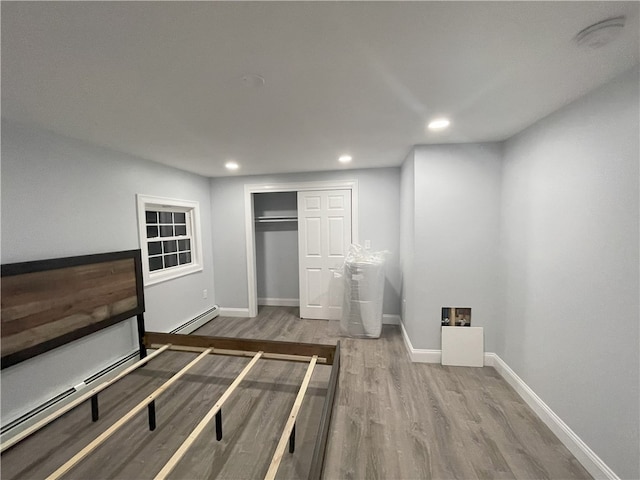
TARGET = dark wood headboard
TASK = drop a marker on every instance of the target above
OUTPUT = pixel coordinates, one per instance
(48, 303)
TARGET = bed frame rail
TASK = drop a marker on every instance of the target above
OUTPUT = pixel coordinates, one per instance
(319, 451)
(243, 346)
(49, 303)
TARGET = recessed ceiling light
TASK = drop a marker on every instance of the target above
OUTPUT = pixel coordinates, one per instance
(345, 158)
(439, 124)
(231, 165)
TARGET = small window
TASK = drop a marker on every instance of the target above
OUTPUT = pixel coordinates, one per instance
(169, 238)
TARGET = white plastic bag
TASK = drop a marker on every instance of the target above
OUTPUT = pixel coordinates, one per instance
(363, 281)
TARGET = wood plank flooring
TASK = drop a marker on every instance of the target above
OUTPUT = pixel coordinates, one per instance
(393, 419)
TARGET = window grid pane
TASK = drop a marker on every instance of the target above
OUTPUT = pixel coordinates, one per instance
(154, 248)
(152, 217)
(166, 217)
(173, 245)
(170, 260)
(155, 263)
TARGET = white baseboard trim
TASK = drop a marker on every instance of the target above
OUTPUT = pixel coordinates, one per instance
(587, 457)
(420, 355)
(279, 302)
(234, 312)
(389, 319)
(490, 359)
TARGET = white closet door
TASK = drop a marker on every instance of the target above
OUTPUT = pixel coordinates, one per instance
(324, 236)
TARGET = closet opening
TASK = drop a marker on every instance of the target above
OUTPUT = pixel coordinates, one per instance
(276, 248)
(273, 237)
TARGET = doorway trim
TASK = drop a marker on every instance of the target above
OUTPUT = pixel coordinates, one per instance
(250, 189)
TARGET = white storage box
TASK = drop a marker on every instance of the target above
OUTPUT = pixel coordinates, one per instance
(463, 346)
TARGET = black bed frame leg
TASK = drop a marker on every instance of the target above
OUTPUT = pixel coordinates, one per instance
(292, 439)
(219, 425)
(95, 413)
(141, 333)
(143, 353)
(152, 415)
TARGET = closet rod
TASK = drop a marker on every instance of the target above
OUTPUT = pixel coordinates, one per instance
(276, 219)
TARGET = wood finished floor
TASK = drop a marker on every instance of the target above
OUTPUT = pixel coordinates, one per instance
(393, 419)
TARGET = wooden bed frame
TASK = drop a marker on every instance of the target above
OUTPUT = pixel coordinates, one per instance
(49, 303)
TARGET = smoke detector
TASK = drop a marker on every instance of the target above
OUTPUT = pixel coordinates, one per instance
(601, 33)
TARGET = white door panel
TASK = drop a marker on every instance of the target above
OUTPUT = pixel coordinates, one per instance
(312, 202)
(336, 237)
(314, 290)
(324, 229)
(312, 240)
(335, 202)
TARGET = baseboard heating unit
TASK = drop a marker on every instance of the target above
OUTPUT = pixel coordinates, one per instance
(198, 321)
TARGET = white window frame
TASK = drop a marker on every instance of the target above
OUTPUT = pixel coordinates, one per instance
(148, 202)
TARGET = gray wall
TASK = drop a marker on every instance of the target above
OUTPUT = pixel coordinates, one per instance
(277, 246)
(61, 197)
(456, 233)
(570, 239)
(379, 199)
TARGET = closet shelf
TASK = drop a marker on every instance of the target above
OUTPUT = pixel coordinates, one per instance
(276, 218)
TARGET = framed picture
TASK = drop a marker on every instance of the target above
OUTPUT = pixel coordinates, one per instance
(456, 317)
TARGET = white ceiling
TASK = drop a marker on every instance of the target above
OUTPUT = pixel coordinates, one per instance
(162, 81)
